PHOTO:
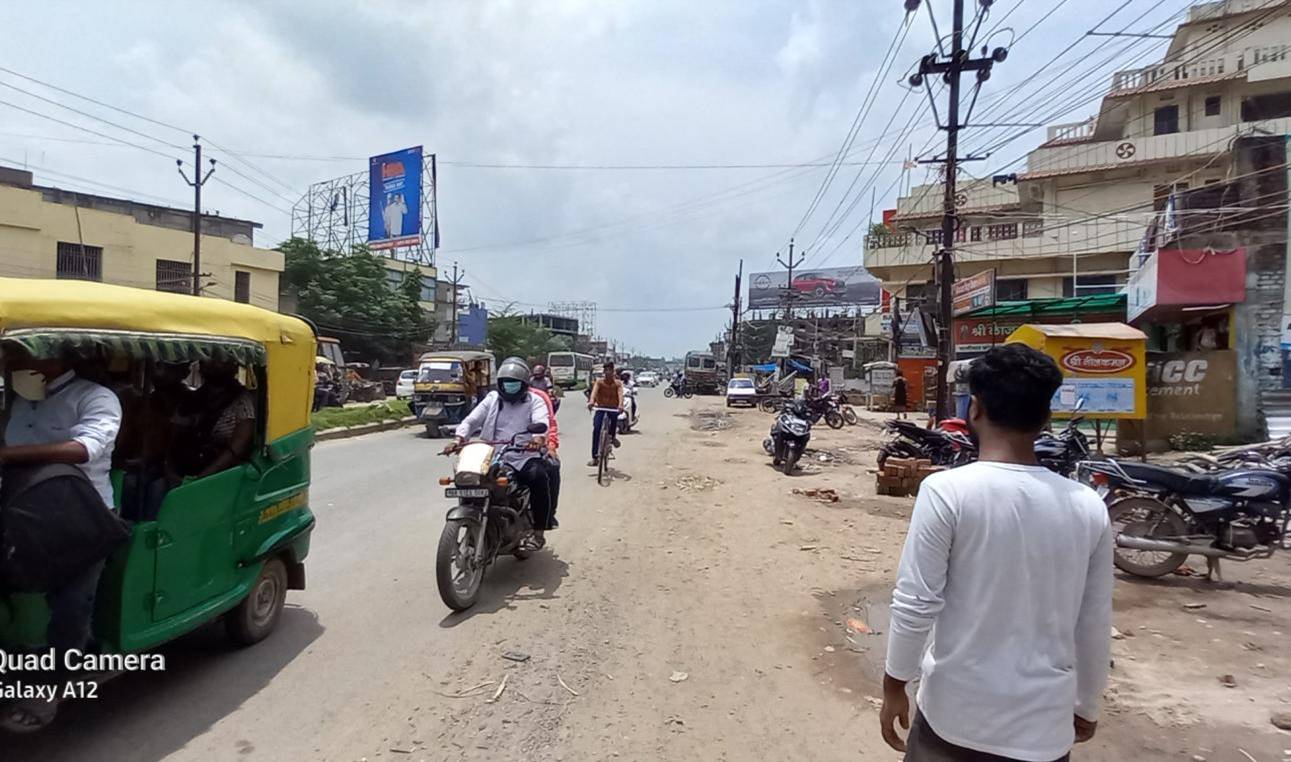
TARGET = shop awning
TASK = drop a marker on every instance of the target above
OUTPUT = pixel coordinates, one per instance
(1075, 305)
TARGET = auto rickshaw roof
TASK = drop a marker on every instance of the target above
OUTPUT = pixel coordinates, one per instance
(50, 316)
(464, 356)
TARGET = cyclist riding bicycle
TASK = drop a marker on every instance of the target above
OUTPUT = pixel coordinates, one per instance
(605, 399)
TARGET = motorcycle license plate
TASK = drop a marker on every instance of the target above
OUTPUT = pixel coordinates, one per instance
(432, 410)
(466, 492)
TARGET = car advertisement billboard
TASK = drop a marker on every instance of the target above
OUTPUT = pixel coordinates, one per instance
(825, 287)
(394, 199)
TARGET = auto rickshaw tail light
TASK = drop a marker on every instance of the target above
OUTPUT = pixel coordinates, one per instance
(445, 480)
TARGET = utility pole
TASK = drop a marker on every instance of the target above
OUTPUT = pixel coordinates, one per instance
(788, 296)
(951, 67)
(196, 184)
(897, 327)
(457, 280)
(732, 353)
(788, 284)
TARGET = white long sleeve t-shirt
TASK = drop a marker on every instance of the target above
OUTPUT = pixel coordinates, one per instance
(1009, 569)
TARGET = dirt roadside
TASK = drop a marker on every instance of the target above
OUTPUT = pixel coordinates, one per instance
(709, 613)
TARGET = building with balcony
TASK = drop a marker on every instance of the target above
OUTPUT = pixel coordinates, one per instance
(1069, 223)
(48, 232)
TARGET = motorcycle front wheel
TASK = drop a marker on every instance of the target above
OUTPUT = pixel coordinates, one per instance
(850, 416)
(456, 574)
(668, 392)
(834, 419)
(791, 461)
(1151, 519)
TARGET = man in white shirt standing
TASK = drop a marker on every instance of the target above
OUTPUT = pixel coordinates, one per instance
(1009, 567)
(59, 417)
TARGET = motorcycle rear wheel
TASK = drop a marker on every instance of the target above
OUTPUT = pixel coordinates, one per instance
(768, 405)
(689, 394)
(459, 584)
(834, 419)
(1148, 518)
(850, 416)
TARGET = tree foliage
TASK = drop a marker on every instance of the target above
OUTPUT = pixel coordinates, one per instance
(510, 336)
(349, 295)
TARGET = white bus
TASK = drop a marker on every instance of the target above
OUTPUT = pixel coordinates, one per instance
(568, 369)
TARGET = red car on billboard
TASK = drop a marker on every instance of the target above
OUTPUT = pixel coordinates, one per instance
(818, 285)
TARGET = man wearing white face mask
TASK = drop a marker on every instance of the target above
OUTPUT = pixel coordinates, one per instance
(59, 417)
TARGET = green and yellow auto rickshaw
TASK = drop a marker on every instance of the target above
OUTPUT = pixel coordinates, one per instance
(229, 544)
(448, 385)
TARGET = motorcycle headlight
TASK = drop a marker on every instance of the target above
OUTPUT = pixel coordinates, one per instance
(467, 479)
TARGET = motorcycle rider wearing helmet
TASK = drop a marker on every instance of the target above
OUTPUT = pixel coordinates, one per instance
(504, 413)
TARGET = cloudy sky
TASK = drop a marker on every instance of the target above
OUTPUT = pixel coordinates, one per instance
(565, 83)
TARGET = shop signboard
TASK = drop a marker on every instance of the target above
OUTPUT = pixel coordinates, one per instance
(1192, 392)
(1141, 289)
(1103, 366)
(974, 335)
(973, 293)
(783, 341)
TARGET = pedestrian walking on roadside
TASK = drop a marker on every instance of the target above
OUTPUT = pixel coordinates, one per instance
(900, 394)
(1009, 567)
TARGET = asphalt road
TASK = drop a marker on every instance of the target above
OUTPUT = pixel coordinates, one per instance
(370, 615)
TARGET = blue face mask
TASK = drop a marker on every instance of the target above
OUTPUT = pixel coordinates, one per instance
(511, 387)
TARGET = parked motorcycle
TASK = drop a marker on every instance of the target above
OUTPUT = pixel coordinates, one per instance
(1062, 452)
(789, 436)
(826, 408)
(849, 413)
(1162, 515)
(943, 447)
(491, 519)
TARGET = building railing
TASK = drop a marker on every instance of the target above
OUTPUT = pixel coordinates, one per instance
(1182, 70)
(1006, 231)
(1073, 130)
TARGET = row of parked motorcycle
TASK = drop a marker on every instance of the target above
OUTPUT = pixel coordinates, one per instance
(1234, 506)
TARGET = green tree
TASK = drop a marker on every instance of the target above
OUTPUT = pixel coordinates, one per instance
(350, 296)
(510, 336)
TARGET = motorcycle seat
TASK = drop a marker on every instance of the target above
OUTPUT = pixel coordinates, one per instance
(1172, 479)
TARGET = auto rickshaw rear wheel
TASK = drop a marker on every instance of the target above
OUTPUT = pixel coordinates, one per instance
(258, 613)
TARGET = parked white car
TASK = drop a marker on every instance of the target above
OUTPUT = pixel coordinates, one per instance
(403, 387)
(741, 391)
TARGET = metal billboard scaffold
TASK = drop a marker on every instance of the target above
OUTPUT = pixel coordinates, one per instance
(335, 214)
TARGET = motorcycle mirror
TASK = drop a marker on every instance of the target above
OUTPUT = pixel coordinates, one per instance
(537, 427)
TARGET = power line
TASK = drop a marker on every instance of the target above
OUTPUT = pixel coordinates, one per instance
(857, 122)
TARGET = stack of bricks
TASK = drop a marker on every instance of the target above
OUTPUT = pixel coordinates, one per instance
(901, 477)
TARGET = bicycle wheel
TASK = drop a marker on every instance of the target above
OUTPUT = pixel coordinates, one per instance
(603, 458)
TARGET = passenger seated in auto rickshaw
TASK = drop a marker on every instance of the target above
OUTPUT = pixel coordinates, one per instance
(150, 419)
(221, 424)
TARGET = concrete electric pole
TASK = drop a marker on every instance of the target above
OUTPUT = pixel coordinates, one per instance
(196, 184)
(951, 66)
